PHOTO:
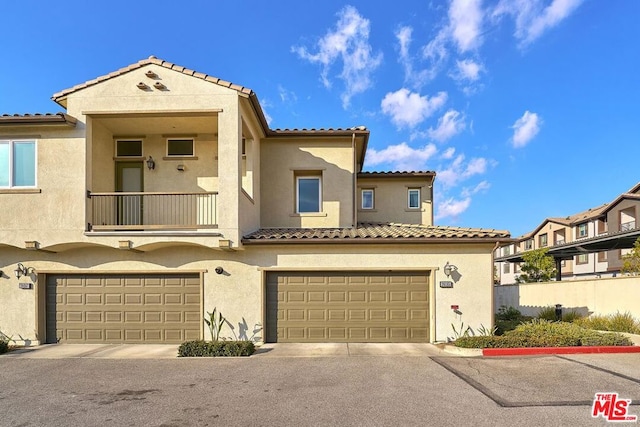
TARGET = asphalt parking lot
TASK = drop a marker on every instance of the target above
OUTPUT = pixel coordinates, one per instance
(278, 388)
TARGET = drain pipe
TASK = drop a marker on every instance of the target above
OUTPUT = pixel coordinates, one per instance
(354, 220)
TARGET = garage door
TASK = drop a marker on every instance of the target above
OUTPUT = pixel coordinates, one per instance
(123, 308)
(347, 307)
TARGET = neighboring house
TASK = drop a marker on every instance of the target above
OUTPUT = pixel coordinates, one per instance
(161, 193)
(597, 227)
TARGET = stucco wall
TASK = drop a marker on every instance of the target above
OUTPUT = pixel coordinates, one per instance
(600, 296)
(238, 293)
(391, 201)
(282, 159)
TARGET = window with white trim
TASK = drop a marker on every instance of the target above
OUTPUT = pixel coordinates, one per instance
(308, 194)
(414, 198)
(180, 147)
(367, 198)
(582, 230)
(17, 163)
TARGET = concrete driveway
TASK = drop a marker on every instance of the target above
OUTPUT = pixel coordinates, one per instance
(276, 387)
(162, 351)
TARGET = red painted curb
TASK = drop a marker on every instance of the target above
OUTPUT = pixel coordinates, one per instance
(530, 351)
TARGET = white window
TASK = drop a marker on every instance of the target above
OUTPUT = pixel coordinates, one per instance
(367, 199)
(128, 148)
(582, 230)
(414, 198)
(308, 194)
(180, 147)
(17, 163)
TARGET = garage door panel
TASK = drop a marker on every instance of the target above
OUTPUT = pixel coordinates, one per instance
(347, 307)
(123, 308)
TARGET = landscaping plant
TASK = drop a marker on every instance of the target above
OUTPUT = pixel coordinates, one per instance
(215, 322)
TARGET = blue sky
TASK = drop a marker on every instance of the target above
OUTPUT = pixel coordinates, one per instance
(525, 109)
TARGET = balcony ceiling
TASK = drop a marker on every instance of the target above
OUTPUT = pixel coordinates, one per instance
(152, 124)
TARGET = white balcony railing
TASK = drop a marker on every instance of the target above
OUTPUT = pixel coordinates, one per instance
(628, 226)
(149, 211)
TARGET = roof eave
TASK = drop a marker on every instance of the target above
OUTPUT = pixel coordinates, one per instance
(375, 241)
(61, 119)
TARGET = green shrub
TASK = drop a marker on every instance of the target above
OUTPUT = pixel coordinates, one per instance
(543, 333)
(4, 346)
(216, 348)
(571, 316)
(508, 318)
(547, 313)
(619, 322)
(508, 313)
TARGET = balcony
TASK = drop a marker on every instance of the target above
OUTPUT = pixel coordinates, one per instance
(142, 211)
(560, 241)
(628, 226)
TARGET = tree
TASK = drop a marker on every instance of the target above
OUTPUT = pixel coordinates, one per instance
(537, 266)
(631, 261)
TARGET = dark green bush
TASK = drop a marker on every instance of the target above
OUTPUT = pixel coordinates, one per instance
(4, 346)
(508, 318)
(543, 333)
(216, 348)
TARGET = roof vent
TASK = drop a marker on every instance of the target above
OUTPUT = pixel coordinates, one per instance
(143, 86)
(151, 74)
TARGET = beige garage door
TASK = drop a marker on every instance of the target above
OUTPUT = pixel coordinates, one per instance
(123, 308)
(347, 307)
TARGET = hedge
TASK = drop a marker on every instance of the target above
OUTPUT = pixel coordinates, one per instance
(544, 334)
(216, 348)
(4, 346)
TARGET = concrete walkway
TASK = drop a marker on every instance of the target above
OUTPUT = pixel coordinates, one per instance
(163, 351)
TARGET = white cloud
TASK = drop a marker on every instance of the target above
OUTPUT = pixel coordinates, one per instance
(401, 156)
(409, 109)
(349, 41)
(465, 21)
(449, 125)
(413, 77)
(452, 207)
(459, 171)
(286, 95)
(468, 70)
(532, 19)
(448, 153)
(480, 187)
(265, 103)
(525, 129)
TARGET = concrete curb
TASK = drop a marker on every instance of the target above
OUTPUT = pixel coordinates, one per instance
(532, 351)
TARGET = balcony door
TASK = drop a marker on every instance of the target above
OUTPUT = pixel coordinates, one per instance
(129, 180)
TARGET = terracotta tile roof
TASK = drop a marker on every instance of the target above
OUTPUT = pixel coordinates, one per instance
(57, 97)
(397, 174)
(375, 233)
(37, 119)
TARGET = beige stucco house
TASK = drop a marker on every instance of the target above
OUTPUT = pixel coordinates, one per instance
(161, 193)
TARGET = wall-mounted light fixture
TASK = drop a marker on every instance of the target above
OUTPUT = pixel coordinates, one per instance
(219, 270)
(449, 268)
(180, 168)
(21, 270)
(151, 164)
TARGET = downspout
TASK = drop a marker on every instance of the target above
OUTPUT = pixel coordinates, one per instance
(354, 220)
(493, 298)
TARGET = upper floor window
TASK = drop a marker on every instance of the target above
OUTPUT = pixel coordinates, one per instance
(367, 199)
(582, 259)
(308, 194)
(528, 245)
(506, 251)
(543, 240)
(17, 163)
(414, 198)
(128, 148)
(582, 230)
(180, 147)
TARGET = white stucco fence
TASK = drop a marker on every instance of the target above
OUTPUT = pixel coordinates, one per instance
(598, 296)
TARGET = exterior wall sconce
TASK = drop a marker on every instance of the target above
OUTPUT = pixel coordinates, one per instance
(21, 270)
(219, 270)
(180, 168)
(151, 164)
(449, 268)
